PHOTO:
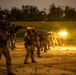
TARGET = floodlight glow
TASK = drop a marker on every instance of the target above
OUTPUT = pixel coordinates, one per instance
(63, 33)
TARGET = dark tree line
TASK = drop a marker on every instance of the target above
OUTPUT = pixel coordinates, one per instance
(32, 13)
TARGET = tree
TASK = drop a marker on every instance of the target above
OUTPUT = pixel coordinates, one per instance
(30, 13)
(70, 13)
(55, 13)
(7, 14)
(1, 13)
(16, 14)
(43, 15)
(25, 12)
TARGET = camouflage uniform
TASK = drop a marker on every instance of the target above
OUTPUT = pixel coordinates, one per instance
(43, 42)
(3, 47)
(30, 46)
(38, 46)
(13, 31)
(12, 36)
(54, 40)
(49, 40)
(37, 42)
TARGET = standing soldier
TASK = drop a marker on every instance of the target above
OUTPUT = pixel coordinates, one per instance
(37, 42)
(43, 43)
(29, 44)
(48, 40)
(54, 39)
(13, 30)
(3, 45)
(12, 36)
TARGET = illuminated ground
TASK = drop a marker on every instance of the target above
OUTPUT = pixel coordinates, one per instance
(58, 61)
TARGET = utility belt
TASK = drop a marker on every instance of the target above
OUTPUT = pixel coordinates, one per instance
(29, 44)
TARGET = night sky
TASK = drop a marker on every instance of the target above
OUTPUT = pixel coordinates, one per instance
(4, 4)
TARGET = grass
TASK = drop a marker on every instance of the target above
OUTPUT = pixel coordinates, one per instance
(70, 27)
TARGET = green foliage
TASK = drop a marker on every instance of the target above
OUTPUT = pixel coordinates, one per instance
(55, 13)
(32, 13)
(20, 33)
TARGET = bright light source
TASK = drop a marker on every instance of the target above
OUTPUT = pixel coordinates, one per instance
(63, 33)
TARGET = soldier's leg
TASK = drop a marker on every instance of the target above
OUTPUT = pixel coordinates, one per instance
(14, 40)
(12, 48)
(8, 60)
(56, 43)
(41, 45)
(9, 43)
(13, 44)
(49, 44)
(32, 54)
(38, 50)
(45, 46)
(53, 43)
(27, 54)
(0, 52)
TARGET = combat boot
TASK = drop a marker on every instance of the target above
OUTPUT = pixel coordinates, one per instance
(34, 61)
(26, 63)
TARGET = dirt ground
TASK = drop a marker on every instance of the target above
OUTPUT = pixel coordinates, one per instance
(58, 61)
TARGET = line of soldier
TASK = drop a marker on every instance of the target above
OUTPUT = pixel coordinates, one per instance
(41, 40)
(33, 38)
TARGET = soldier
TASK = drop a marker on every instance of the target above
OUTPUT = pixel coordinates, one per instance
(37, 43)
(43, 43)
(12, 36)
(48, 40)
(3, 46)
(54, 39)
(29, 44)
(13, 30)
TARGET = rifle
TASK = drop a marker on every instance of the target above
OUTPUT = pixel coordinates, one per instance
(18, 28)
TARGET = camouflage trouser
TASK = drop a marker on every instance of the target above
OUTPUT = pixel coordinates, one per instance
(54, 43)
(30, 52)
(13, 41)
(48, 44)
(4, 50)
(43, 45)
(11, 44)
(38, 48)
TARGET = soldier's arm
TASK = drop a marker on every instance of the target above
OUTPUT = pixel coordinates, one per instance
(4, 36)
